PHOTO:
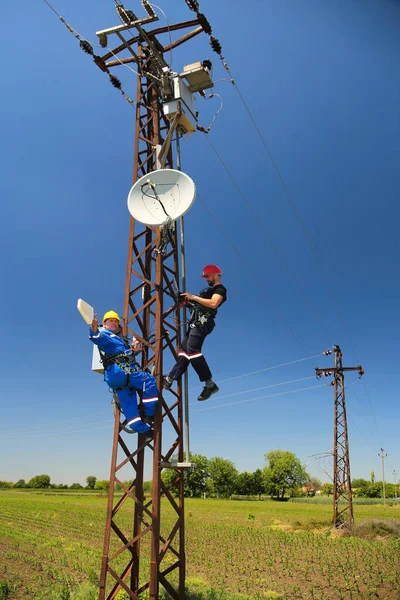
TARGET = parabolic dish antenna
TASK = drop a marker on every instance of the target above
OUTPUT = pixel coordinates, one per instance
(161, 196)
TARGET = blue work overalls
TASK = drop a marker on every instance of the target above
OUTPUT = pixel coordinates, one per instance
(116, 379)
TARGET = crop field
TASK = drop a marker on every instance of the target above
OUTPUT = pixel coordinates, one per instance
(51, 545)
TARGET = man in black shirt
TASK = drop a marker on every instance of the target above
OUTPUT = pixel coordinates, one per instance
(203, 309)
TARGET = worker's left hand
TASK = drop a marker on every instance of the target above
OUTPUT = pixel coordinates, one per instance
(188, 296)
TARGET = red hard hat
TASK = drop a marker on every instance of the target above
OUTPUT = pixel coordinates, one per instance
(211, 270)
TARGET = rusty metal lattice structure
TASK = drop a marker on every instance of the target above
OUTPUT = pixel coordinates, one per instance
(342, 494)
(341, 458)
(142, 549)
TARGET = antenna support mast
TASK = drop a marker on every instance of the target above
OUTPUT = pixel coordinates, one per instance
(143, 550)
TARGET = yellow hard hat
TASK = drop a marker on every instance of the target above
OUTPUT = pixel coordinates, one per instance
(111, 314)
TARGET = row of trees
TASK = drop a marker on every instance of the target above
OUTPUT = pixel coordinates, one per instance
(44, 482)
(40, 482)
(283, 475)
(214, 477)
(363, 488)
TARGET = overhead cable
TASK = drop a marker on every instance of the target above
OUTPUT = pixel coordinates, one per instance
(265, 387)
(267, 235)
(353, 388)
(120, 14)
(92, 426)
(169, 30)
(295, 210)
(87, 47)
(217, 48)
(291, 362)
(313, 387)
(257, 281)
(207, 129)
(56, 422)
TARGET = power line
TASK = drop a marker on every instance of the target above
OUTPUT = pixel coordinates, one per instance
(291, 362)
(216, 46)
(313, 387)
(59, 432)
(259, 284)
(53, 9)
(87, 47)
(371, 409)
(263, 387)
(353, 389)
(209, 97)
(295, 210)
(123, 64)
(266, 235)
(57, 422)
(169, 30)
(131, 34)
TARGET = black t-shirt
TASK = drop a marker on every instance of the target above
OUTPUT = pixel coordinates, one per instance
(219, 289)
(201, 314)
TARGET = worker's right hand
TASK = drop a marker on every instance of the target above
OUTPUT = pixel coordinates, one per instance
(95, 324)
(136, 345)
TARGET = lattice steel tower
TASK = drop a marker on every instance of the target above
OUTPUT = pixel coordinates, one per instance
(144, 546)
(342, 495)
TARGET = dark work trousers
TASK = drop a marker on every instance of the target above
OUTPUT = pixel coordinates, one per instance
(190, 352)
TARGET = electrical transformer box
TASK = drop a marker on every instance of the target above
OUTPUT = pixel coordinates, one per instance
(181, 93)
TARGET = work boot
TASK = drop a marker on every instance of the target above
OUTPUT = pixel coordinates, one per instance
(167, 382)
(148, 420)
(148, 435)
(208, 391)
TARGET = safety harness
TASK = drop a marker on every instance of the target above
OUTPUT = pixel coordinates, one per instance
(126, 362)
(200, 314)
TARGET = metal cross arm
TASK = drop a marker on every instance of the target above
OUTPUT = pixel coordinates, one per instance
(125, 26)
(149, 36)
(333, 370)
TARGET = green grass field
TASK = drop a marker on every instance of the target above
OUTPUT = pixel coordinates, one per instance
(51, 546)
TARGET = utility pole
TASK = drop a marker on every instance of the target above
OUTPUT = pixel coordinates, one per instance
(148, 552)
(383, 455)
(342, 495)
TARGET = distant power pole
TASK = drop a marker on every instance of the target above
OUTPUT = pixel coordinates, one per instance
(342, 513)
(383, 455)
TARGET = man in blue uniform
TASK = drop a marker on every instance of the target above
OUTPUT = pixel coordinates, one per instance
(203, 310)
(123, 375)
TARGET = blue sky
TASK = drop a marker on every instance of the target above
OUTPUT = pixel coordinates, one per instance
(321, 80)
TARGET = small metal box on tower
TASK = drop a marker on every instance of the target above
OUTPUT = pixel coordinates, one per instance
(198, 76)
(181, 93)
